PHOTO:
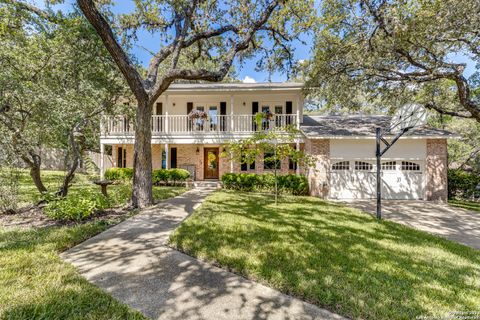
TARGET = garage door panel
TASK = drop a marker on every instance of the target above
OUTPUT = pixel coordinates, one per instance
(403, 181)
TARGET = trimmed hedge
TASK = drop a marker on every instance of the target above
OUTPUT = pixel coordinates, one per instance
(165, 175)
(158, 176)
(462, 184)
(289, 183)
(116, 174)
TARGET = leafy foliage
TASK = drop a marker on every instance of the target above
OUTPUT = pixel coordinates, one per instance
(386, 53)
(118, 174)
(166, 175)
(463, 184)
(77, 207)
(289, 183)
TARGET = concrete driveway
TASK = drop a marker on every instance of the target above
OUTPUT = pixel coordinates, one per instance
(453, 223)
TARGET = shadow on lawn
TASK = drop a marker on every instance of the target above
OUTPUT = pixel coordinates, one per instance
(333, 256)
(36, 284)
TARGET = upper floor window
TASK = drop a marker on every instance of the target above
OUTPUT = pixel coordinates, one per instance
(410, 166)
(341, 165)
(278, 109)
(389, 165)
(363, 166)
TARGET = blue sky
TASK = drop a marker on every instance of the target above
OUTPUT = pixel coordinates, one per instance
(148, 42)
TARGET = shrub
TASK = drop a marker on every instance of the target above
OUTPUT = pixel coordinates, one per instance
(166, 175)
(116, 174)
(462, 184)
(76, 207)
(290, 183)
(160, 175)
(179, 175)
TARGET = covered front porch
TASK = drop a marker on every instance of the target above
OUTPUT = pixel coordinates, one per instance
(203, 161)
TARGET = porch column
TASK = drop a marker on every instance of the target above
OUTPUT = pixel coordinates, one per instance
(166, 156)
(102, 164)
(166, 113)
(231, 112)
(298, 113)
(297, 171)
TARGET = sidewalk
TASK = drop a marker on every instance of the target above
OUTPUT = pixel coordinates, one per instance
(131, 262)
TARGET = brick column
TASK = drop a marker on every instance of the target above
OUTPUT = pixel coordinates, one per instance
(436, 170)
(318, 177)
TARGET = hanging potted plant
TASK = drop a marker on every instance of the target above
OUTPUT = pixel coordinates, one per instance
(197, 115)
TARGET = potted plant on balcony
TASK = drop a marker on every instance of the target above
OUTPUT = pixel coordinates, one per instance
(262, 119)
(198, 117)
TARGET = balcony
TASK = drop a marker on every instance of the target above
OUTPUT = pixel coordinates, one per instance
(184, 125)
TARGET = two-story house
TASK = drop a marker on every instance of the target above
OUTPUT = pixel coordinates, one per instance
(344, 146)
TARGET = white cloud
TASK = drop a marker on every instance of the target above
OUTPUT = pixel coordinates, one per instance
(248, 79)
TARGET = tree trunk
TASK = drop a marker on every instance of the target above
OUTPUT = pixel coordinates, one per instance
(142, 158)
(34, 163)
(37, 179)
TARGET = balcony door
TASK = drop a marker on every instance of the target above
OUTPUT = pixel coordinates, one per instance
(211, 163)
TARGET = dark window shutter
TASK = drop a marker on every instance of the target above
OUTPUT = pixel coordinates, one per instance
(243, 167)
(223, 108)
(120, 157)
(254, 107)
(289, 107)
(189, 107)
(159, 108)
(173, 158)
(252, 166)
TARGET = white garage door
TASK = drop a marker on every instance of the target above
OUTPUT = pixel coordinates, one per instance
(357, 180)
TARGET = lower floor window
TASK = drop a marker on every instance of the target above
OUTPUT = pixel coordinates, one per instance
(269, 161)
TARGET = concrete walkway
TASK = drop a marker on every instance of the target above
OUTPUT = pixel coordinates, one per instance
(453, 223)
(131, 262)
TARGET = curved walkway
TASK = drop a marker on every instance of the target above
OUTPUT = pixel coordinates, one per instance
(132, 262)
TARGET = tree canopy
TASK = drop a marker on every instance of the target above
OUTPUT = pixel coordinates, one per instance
(55, 79)
(384, 53)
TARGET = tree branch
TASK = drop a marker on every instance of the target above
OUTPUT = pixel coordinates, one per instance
(43, 14)
(123, 62)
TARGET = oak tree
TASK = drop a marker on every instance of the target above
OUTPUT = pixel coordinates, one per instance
(195, 30)
(385, 53)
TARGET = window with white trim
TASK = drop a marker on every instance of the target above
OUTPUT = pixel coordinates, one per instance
(410, 166)
(363, 166)
(341, 165)
(389, 165)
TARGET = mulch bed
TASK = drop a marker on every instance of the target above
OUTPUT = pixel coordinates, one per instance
(33, 217)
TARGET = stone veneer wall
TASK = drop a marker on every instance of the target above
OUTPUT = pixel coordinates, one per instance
(436, 170)
(318, 177)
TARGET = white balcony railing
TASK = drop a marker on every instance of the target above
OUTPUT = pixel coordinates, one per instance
(122, 125)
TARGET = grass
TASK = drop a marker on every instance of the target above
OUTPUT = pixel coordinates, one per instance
(82, 183)
(36, 284)
(333, 256)
(469, 205)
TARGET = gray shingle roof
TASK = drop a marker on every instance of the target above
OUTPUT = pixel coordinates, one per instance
(358, 125)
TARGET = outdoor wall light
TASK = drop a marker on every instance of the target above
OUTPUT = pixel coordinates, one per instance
(197, 151)
(243, 102)
(174, 104)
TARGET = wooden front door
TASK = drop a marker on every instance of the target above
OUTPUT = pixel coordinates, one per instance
(211, 163)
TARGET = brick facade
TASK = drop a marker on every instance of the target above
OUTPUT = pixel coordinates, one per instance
(318, 177)
(187, 155)
(436, 170)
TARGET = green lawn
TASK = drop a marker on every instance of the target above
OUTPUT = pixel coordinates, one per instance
(333, 256)
(82, 183)
(469, 205)
(36, 284)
